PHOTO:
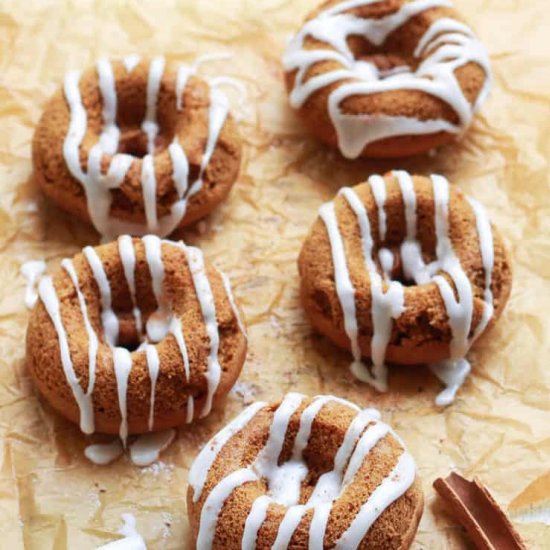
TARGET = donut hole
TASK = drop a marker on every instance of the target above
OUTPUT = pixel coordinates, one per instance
(128, 335)
(132, 121)
(380, 62)
(134, 143)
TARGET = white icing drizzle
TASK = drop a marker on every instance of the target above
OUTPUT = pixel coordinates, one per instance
(87, 412)
(177, 331)
(459, 311)
(227, 286)
(160, 323)
(214, 504)
(32, 271)
(130, 62)
(446, 46)
(110, 133)
(109, 319)
(132, 539)
(49, 298)
(149, 125)
(208, 309)
(488, 259)
(122, 364)
(219, 109)
(128, 259)
(153, 366)
(389, 303)
(391, 488)
(190, 409)
(386, 305)
(344, 288)
(284, 481)
(98, 186)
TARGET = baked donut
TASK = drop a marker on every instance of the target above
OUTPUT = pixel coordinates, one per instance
(137, 146)
(386, 79)
(304, 473)
(404, 269)
(133, 336)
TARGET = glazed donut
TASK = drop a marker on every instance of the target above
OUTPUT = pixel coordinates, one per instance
(133, 336)
(404, 269)
(386, 79)
(137, 146)
(304, 473)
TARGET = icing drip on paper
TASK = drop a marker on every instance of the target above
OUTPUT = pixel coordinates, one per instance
(159, 325)
(147, 448)
(284, 480)
(32, 271)
(97, 185)
(143, 451)
(132, 539)
(446, 46)
(104, 453)
(388, 297)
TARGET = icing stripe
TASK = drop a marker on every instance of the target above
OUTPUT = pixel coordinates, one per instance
(149, 125)
(386, 305)
(487, 251)
(344, 286)
(108, 318)
(130, 62)
(86, 412)
(459, 311)
(158, 323)
(122, 364)
(49, 298)
(202, 464)
(208, 309)
(254, 521)
(128, 259)
(214, 503)
(393, 487)
(153, 366)
(227, 286)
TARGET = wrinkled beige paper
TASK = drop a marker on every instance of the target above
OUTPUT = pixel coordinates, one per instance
(499, 427)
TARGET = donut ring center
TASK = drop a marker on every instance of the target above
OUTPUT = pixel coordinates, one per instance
(141, 118)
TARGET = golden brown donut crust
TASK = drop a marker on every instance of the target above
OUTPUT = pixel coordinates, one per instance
(398, 47)
(422, 333)
(190, 125)
(172, 388)
(394, 529)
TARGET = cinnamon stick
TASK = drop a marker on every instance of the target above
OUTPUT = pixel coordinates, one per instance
(477, 511)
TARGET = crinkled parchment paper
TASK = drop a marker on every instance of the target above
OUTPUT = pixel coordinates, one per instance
(51, 497)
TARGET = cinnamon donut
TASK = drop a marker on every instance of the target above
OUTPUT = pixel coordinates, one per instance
(305, 473)
(137, 146)
(133, 336)
(404, 269)
(387, 78)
